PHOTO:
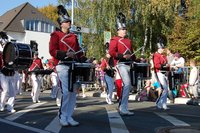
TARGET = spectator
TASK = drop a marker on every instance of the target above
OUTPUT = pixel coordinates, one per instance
(178, 63)
(193, 82)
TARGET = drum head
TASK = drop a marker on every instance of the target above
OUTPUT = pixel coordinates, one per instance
(17, 55)
(9, 54)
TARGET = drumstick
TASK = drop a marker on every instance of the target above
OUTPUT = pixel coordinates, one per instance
(82, 50)
(77, 52)
(137, 50)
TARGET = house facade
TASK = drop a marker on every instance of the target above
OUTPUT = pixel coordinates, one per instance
(25, 24)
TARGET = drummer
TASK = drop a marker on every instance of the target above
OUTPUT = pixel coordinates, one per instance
(7, 80)
(63, 47)
(36, 78)
(161, 68)
(121, 51)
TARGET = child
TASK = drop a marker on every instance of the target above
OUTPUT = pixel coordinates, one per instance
(193, 82)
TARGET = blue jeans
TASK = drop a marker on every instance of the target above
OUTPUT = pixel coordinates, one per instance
(162, 100)
(110, 86)
(68, 100)
(124, 71)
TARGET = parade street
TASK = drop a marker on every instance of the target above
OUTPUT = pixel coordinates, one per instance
(96, 116)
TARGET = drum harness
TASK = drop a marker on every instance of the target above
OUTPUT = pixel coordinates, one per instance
(70, 63)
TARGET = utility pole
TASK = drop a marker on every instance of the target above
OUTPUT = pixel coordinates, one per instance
(72, 12)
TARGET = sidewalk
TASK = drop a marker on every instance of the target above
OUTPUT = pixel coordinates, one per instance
(132, 97)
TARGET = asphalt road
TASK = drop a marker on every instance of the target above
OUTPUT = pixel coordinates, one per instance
(95, 116)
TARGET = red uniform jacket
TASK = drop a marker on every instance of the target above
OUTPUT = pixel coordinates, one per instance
(107, 67)
(52, 64)
(119, 47)
(60, 43)
(104, 64)
(36, 64)
(159, 60)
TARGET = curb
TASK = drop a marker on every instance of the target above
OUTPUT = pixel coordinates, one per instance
(132, 97)
(182, 129)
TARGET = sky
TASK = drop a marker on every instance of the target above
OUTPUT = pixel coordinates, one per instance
(6, 5)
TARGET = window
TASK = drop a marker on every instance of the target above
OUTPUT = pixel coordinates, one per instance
(41, 26)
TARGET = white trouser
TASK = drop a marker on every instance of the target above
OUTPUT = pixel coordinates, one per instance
(68, 100)
(36, 85)
(162, 100)
(18, 83)
(55, 90)
(8, 91)
(54, 84)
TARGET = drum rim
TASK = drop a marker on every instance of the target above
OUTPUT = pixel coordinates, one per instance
(5, 48)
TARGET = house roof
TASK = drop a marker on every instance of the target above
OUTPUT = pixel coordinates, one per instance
(12, 19)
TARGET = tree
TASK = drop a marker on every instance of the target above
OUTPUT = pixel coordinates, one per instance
(146, 21)
(185, 34)
(50, 11)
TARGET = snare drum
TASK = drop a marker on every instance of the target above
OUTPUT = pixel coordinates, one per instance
(139, 70)
(85, 73)
(17, 55)
(142, 69)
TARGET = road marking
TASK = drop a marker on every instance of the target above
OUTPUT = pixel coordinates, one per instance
(21, 112)
(23, 126)
(117, 125)
(172, 119)
(54, 126)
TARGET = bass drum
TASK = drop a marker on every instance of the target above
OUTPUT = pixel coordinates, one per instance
(17, 55)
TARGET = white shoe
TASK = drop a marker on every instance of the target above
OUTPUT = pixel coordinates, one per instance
(38, 101)
(72, 122)
(109, 101)
(64, 123)
(1, 108)
(130, 113)
(34, 101)
(166, 108)
(123, 112)
(83, 96)
(12, 111)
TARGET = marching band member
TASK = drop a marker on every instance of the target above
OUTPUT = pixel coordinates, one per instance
(35, 78)
(121, 50)
(55, 90)
(161, 68)
(7, 81)
(64, 47)
(106, 66)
